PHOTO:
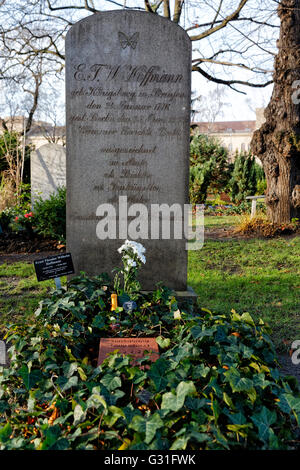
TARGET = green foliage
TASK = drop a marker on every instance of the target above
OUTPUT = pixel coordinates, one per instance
(209, 167)
(247, 177)
(215, 385)
(50, 215)
(11, 143)
(23, 221)
(243, 207)
(261, 186)
(8, 215)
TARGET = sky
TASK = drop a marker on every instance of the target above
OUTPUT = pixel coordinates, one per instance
(238, 107)
(235, 106)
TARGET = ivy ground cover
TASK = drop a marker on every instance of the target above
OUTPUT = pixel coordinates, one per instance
(216, 384)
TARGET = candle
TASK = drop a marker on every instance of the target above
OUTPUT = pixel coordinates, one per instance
(114, 301)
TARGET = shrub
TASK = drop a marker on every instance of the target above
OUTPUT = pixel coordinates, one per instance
(13, 216)
(6, 216)
(12, 154)
(50, 215)
(209, 167)
(215, 385)
(234, 209)
(261, 186)
(23, 221)
(243, 180)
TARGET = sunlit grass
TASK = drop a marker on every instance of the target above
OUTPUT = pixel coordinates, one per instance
(258, 276)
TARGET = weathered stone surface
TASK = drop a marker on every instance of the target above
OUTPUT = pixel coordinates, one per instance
(48, 170)
(2, 353)
(128, 116)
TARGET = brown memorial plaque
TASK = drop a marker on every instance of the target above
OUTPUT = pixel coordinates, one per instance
(133, 346)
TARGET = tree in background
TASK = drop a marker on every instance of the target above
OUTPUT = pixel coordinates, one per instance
(234, 35)
(277, 142)
(209, 167)
(14, 166)
(247, 177)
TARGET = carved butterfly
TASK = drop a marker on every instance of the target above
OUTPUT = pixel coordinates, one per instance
(128, 41)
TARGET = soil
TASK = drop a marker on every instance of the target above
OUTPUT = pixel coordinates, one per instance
(288, 368)
(229, 233)
(16, 247)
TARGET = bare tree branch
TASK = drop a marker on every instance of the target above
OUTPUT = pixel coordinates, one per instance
(223, 23)
(230, 83)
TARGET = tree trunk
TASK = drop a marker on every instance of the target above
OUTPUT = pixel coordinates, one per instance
(277, 142)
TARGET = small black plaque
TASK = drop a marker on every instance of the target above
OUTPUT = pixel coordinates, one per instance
(53, 266)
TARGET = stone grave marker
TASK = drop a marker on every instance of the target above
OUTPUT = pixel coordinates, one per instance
(128, 127)
(48, 170)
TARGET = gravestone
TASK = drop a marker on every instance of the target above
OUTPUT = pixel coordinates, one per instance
(48, 170)
(2, 353)
(128, 115)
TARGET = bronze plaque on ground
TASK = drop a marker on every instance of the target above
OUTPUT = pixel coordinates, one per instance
(133, 346)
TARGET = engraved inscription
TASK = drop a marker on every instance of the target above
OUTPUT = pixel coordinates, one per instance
(133, 346)
(128, 41)
(143, 75)
(136, 103)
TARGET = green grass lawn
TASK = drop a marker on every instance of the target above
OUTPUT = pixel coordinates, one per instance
(20, 292)
(257, 276)
(212, 222)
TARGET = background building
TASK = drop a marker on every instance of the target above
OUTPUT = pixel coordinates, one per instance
(234, 135)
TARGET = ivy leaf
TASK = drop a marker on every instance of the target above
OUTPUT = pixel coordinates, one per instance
(200, 332)
(30, 379)
(111, 382)
(175, 402)
(228, 400)
(144, 396)
(246, 317)
(61, 444)
(4, 406)
(239, 428)
(95, 400)
(246, 351)
(237, 418)
(263, 420)
(163, 342)
(180, 443)
(116, 413)
(201, 371)
(290, 403)
(65, 383)
(79, 415)
(69, 368)
(5, 432)
(259, 381)
(82, 374)
(98, 321)
(238, 383)
(157, 373)
(51, 433)
(148, 425)
(130, 412)
(111, 398)
(97, 293)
